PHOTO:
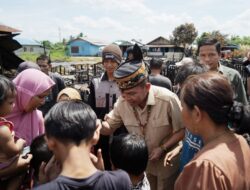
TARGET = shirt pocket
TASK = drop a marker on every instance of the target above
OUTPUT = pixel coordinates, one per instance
(160, 121)
(159, 130)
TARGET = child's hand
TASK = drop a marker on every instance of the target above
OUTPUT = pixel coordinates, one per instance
(170, 155)
(21, 143)
(13, 134)
(49, 171)
(97, 160)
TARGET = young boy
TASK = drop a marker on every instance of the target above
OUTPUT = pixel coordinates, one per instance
(130, 153)
(71, 130)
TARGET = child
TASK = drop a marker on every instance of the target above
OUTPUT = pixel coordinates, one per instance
(9, 149)
(130, 153)
(71, 130)
(41, 155)
(68, 94)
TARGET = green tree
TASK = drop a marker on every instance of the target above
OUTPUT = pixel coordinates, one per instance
(222, 38)
(245, 40)
(184, 34)
(235, 40)
(47, 44)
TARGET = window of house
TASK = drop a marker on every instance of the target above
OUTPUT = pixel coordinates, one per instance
(31, 49)
(74, 49)
(24, 49)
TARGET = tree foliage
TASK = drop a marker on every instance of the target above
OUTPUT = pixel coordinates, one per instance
(184, 34)
(245, 40)
(47, 44)
(222, 38)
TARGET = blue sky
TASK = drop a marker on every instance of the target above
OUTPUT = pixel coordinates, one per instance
(110, 20)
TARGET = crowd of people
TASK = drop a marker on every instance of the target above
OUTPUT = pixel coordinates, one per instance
(137, 131)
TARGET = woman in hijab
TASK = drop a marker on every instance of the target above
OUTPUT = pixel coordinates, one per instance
(68, 94)
(32, 87)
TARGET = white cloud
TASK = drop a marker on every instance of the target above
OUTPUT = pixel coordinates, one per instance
(137, 7)
(101, 23)
(204, 3)
(110, 20)
(171, 19)
(239, 25)
(207, 24)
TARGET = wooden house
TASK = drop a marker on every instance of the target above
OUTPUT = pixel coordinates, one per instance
(161, 47)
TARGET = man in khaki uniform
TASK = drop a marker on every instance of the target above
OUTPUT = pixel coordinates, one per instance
(151, 111)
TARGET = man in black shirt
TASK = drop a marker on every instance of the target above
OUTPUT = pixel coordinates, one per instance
(155, 77)
(247, 65)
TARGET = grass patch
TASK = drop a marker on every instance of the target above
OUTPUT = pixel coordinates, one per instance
(59, 56)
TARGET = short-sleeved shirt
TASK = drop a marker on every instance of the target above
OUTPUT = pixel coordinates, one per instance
(221, 164)
(164, 119)
(101, 180)
(191, 145)
(142, 185)
(236, 82)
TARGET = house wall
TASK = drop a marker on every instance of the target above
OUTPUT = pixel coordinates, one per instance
(84, 48)
(30, 49)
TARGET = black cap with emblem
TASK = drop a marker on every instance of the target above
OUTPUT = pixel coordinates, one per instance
(131, 73)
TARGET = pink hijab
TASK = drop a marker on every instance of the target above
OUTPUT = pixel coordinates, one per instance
(29, 83)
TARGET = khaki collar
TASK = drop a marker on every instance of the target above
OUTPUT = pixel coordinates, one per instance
(151, 97)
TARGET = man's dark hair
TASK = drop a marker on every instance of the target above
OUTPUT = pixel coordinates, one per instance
(189, 69)
(209, 41)
(155, 63)
(130, 153)
(27, 65)
(70, 121)
(40, 153)
(6, 86)
(44, 58)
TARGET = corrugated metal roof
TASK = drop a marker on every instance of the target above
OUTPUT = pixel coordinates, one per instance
(123, 43)
(159, 41)
(26, 41)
